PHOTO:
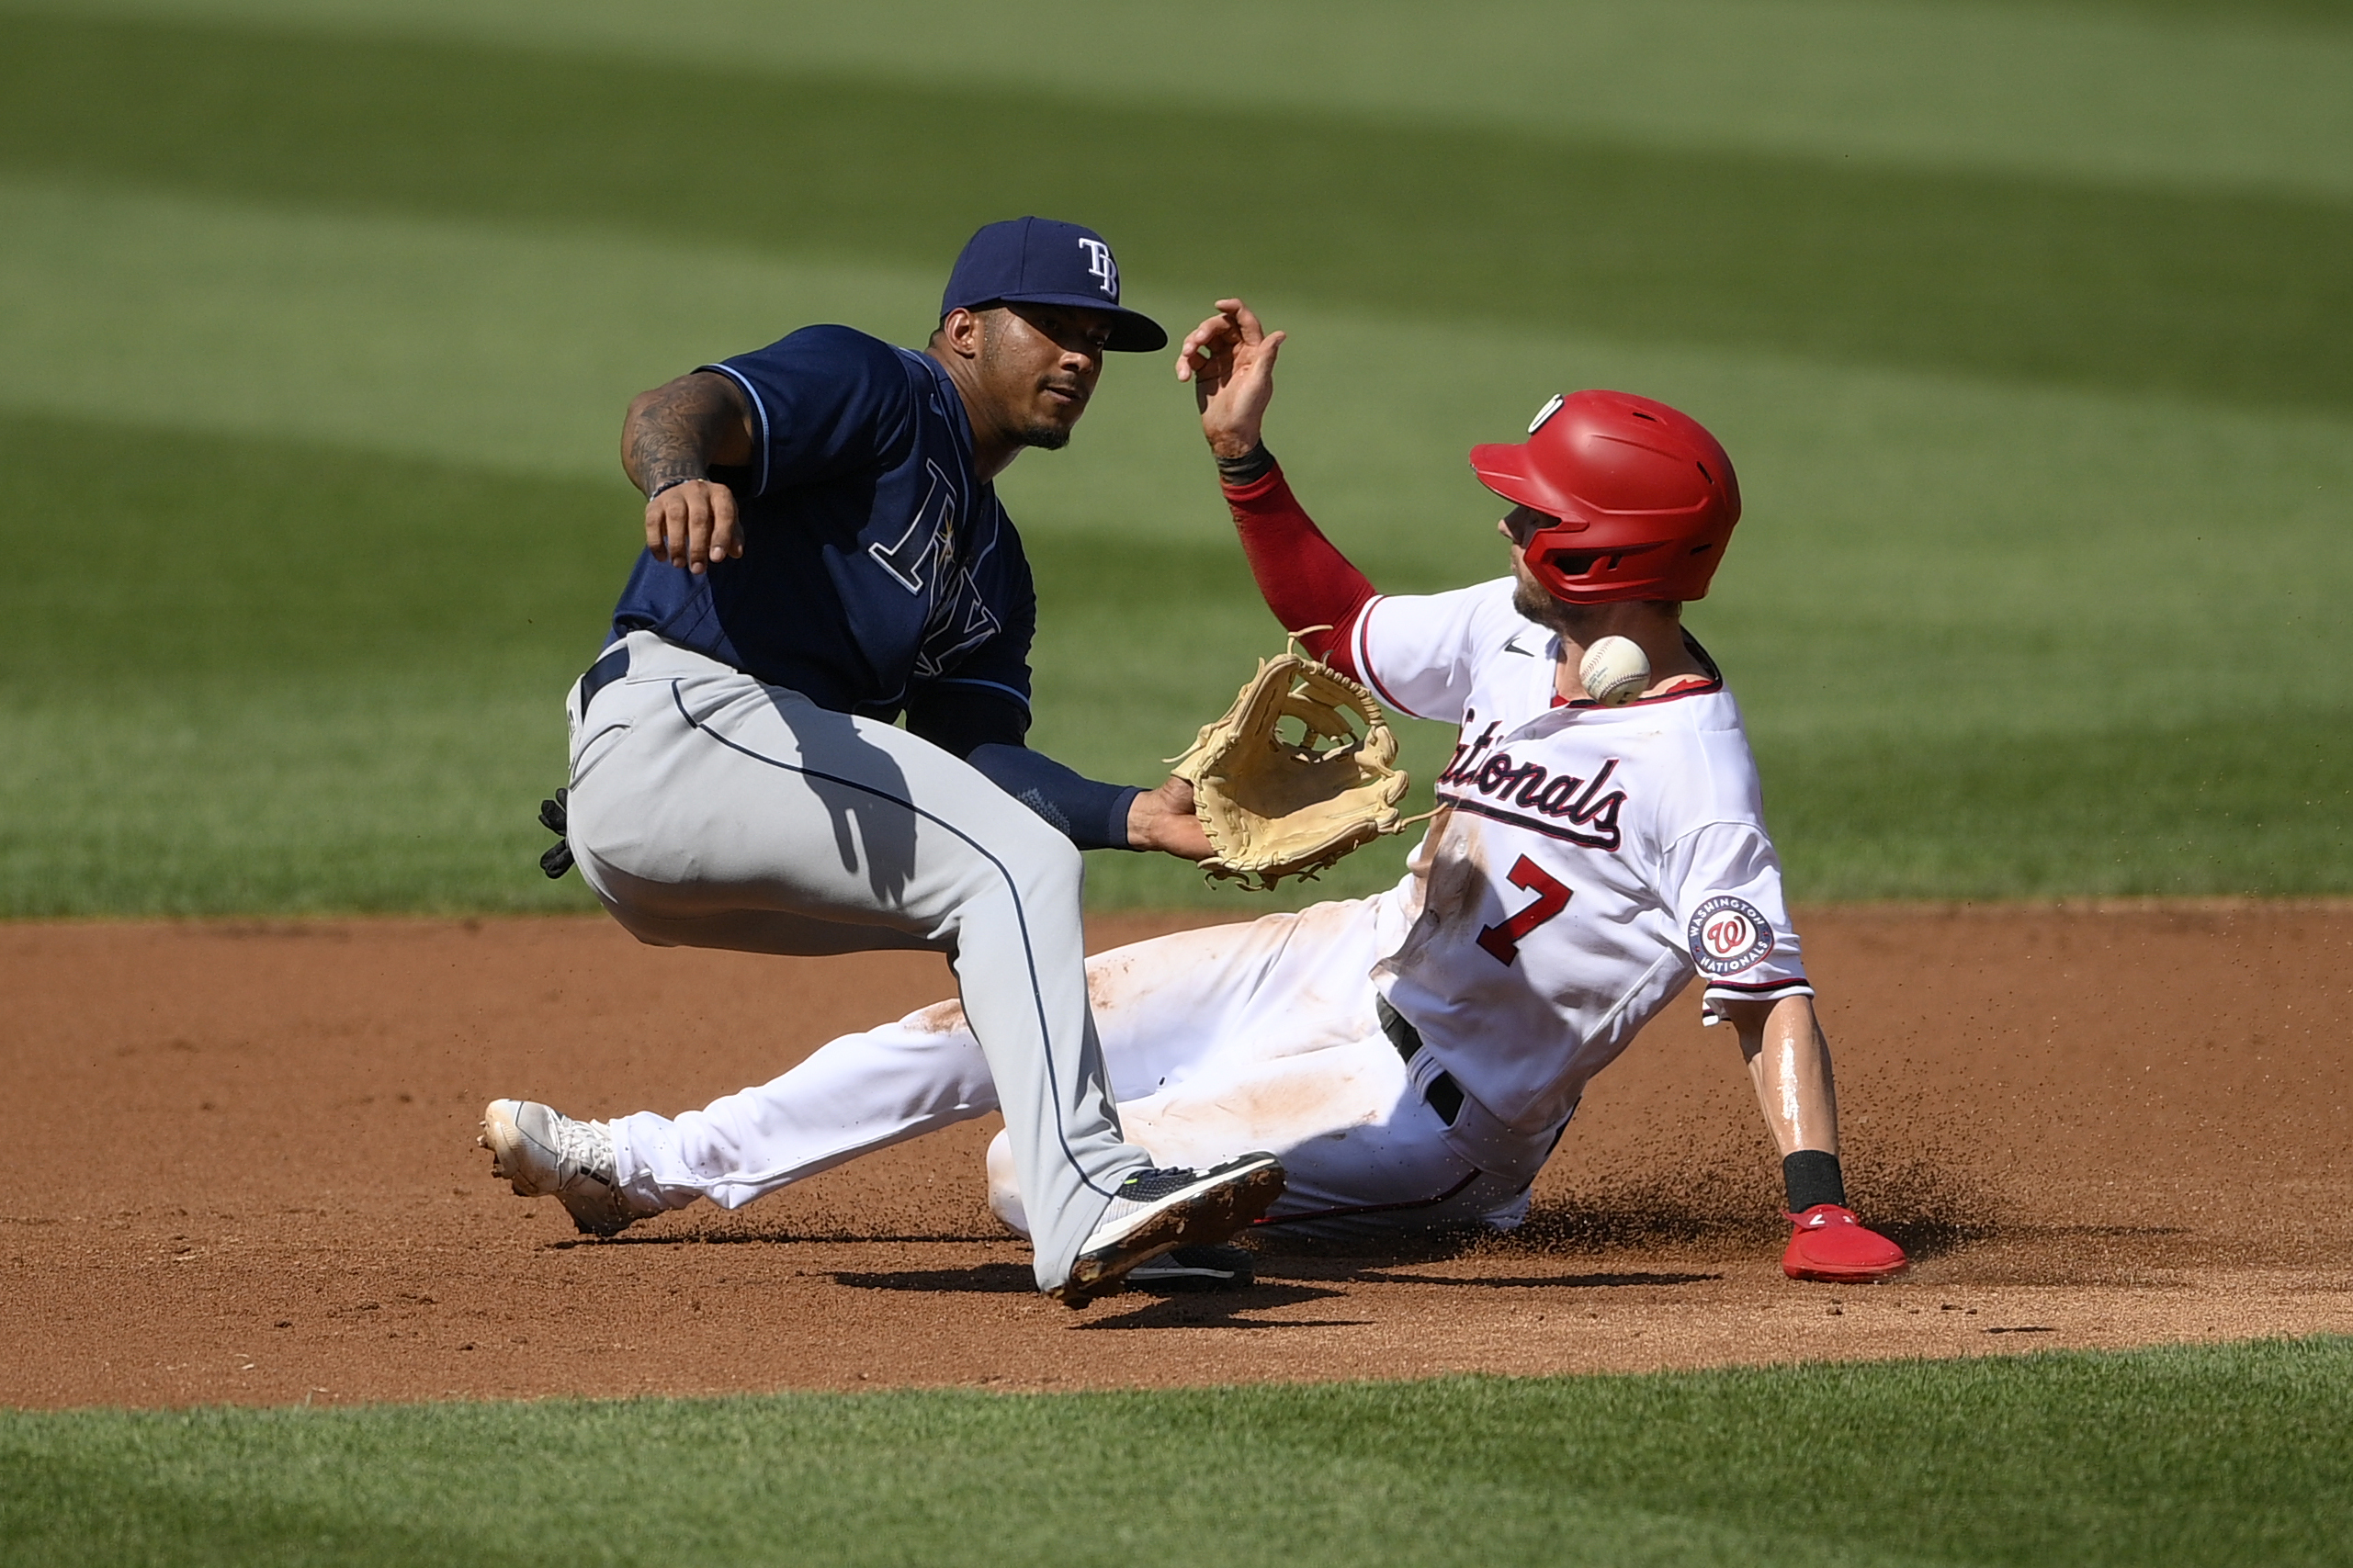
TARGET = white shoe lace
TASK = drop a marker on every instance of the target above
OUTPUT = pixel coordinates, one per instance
(585, 1147)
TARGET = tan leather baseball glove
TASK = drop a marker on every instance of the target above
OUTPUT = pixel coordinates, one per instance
(1284, 784)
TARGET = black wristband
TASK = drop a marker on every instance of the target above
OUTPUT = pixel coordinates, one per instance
(673, 484)
(1813, 1177)
(1114, 828)
(1255, 464)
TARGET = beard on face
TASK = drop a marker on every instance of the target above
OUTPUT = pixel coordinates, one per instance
(1580, 622)
(1043, 435)
(1528, 597)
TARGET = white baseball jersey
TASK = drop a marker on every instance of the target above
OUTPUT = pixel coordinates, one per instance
(1589, 862)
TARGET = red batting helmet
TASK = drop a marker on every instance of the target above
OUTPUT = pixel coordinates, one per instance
(1642, 497)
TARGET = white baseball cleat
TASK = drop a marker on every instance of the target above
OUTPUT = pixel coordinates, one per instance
(1156, 1211)
(543, 1153)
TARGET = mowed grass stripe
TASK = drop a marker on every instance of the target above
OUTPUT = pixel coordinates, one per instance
(2322, 16)
(1896, 516)
(1954, 528)
(2242, 297)
(2184, 1456)
(491, 346)
(275, 676)
(2216, 804)
(2174, 92)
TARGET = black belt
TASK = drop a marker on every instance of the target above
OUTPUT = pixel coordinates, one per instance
(1444, 1095)
(608, 669)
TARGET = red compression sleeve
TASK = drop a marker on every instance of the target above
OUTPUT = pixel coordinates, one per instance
(1305, 578)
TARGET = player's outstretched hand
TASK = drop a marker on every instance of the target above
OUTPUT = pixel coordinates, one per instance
(1229, 359)
(1162, 820)
(693, 523)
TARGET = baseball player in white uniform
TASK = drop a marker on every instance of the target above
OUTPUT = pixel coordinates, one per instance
(1414, 1057)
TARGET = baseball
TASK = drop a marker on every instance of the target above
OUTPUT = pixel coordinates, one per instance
(1614, 671)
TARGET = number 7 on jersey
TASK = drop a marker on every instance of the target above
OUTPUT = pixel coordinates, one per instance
(1502, 939)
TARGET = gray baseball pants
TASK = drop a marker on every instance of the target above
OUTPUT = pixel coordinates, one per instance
(708, 809)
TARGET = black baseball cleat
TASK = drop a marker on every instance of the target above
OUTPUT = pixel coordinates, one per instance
(1157, 1211)
(1213, 1268)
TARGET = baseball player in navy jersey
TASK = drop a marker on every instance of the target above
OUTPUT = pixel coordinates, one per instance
(825, 554)
(1414, 1057)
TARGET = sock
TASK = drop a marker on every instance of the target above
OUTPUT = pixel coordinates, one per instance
(1813, 1177)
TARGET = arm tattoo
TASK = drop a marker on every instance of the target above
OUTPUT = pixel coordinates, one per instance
(679, 430)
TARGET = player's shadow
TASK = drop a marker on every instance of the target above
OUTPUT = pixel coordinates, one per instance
(873, 831)
(980, 1280)
(1137, 1308)
(1540, 1282)
(776, 1237)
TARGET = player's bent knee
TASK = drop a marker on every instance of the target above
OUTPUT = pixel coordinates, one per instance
(1026, 859)
(1033, 846)
(1058, 869)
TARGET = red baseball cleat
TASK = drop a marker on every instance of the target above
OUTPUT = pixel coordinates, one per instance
(1837, 1248)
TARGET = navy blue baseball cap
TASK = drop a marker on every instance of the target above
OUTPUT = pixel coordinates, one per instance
(1039, 261)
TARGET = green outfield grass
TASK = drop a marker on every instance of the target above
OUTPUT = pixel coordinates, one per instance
(2174, 92)
(2176, 1457)
(2240, 293)
(321, 317)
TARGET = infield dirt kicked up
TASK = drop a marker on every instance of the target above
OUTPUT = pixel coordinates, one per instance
(242, 1169)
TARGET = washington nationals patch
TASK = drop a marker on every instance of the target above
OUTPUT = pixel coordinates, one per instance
(1728, 935)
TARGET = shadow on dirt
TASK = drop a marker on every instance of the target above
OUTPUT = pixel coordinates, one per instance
(1539, 1282)
(1142, 1306)
(1218, 1309)
(984, 1278)
(778, 1237)
(1928, 1206)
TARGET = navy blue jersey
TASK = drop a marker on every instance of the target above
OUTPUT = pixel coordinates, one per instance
(876, 564)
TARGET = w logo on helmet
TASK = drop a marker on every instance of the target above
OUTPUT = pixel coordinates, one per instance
(1099, 266)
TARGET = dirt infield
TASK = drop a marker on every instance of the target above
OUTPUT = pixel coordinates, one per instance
(242, 1169)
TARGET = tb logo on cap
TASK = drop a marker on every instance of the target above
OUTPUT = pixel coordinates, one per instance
(1099, 265)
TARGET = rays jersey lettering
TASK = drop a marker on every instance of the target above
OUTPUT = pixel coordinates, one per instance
(931, 535)
(874, 557)
(923, 561)
(1589, 864)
